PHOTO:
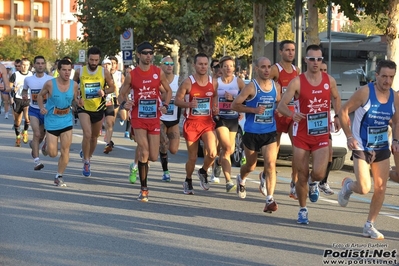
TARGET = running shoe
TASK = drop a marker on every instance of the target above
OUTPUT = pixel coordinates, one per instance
(203, 180)
(293, 191)
(230, 186)
(121, 122)
(86, 169)
(81, 154)
(127, 134)
(303, 216)
(217, 168)
(44, 148)
(372, 232)
(215, 179)
(59, 182)
(38, 166)
(271, 206)
(314, 192)
(241, 191)
(262, 185)
(143, 196)
(166, 176)
(133, 173)
(187, 188)
(18, 141)
(25, 137)
(326, 189)
(108, 148)
(345, 193)
(243, 160)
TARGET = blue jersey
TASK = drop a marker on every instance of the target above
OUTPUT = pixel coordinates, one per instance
(370, 124)
(261, 123)
(59, 115)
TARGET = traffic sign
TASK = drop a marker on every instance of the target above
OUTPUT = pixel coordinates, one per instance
(127, 57)
(126, 40)
(82, 56)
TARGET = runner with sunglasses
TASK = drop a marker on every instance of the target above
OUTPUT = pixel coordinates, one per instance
(144, 85)
(313, 92)
(170, 135)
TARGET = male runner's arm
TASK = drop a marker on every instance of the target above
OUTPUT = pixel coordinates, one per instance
(168, 91)
(246, 93)
(274, 74)
(336, 102)
(124, 92)
(4, 86)
(184, 88)
(395, 126)
(47, 90)
(215, 109)
(76, 94)
(76, 75)
(110, 82)
(355, 101)
(292, 90)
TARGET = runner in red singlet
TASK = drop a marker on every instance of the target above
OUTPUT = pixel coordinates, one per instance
(198, 94)
(313, 91)
(283, 72)
(144, 83)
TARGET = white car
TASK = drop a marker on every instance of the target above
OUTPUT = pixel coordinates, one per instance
(338, 142)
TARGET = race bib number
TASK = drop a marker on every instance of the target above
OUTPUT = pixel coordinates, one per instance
(317, 123)
(171, 108)
(377, 137)
(148, 108)
(92, 89)
(63, 111)
(225, 107)
(267, 116)
(34, 93)
(203, 108)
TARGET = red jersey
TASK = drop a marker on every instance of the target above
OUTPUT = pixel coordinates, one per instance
(314, 102)
(146, 96)
(204, 96)
(284, 77)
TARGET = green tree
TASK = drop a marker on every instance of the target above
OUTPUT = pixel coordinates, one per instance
(366, 25)
(70, 48)
(41, 46)
(13, 47)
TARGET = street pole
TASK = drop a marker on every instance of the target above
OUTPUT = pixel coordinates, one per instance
(329, 17)
(298, 33)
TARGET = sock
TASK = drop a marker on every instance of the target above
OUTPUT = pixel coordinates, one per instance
(202, 171)
(303, 208)
(164, 161)
(189, 182)
(26, 126)
(269, 198)
(322, 182)
(17, 130)
(143, 171)
(36, 160)
(128, 126)
(58, 175)
(369, 224)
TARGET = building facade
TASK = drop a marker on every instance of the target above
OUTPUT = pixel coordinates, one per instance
(53, 19)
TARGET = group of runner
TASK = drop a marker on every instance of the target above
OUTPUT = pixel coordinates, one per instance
(278, 100)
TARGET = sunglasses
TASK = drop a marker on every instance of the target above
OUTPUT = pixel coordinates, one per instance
(312, 59)
(147, 52)
(169, 63)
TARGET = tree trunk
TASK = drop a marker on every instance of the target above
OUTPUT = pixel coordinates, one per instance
(392, 37)
(312, 30)
(259, 16)
(186, 55)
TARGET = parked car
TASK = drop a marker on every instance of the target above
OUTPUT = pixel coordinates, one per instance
(338, 142)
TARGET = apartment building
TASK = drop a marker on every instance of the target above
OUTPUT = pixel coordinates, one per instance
(51, 19)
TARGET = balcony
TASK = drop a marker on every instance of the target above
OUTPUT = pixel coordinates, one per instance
(22, 17)
(5, 16)
(41, 19)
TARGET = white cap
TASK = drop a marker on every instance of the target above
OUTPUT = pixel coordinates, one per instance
(106, 61)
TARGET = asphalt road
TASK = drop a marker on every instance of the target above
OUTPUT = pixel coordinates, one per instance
(98, 221)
